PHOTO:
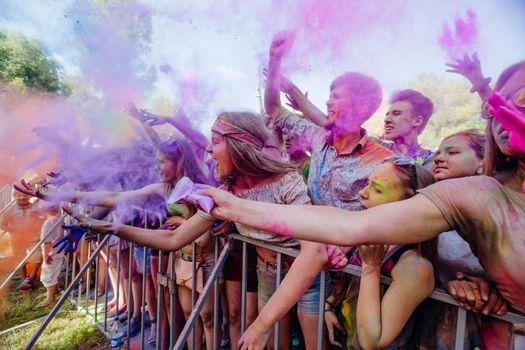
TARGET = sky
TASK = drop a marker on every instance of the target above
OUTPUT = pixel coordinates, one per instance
(206, 55)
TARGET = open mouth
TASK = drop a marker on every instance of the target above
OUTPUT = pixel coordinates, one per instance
(389, 128)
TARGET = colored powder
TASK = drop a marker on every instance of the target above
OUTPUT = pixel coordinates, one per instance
(462, 38)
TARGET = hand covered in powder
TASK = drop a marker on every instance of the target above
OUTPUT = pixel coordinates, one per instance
(223, 200)
(470, 68)
(70, 241)
(281, 44)
(336, 258)
(512, 119)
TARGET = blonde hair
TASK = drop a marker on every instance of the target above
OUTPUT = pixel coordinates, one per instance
(247, 157)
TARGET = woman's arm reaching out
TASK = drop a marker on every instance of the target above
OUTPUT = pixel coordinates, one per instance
(413, 220)
(168, 240)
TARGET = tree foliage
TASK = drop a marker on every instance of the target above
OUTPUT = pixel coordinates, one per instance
(25, 64)
(455, 108)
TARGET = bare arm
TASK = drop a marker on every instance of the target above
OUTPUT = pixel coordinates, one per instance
(109, 199)
(470, 68)
(272, 93)
(379, 322)
(309, 110)
(299, 278)
(140, 116)
(168, 240)
(413, 220)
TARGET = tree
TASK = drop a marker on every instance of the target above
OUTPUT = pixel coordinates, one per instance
(455, 108)
(25, 64)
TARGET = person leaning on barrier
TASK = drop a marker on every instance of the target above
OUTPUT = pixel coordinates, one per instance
(487, 211)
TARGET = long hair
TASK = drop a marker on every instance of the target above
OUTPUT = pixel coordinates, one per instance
(257, 153)
(427, 249)
(181, 153)
(495, 160)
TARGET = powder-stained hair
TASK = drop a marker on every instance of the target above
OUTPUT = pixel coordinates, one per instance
(364, 91)
(248, 158)
(477, 140)
(421, 105)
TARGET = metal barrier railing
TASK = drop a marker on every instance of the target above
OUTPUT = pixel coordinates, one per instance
(166, 282)
(33, 250)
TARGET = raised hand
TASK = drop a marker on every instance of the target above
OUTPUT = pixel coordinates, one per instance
(281, 44)
(141, 115)
(470, 68)
(27, 188)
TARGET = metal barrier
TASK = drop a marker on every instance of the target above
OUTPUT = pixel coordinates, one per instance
(166, 279)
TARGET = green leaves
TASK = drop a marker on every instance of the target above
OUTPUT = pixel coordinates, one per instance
(25, 64)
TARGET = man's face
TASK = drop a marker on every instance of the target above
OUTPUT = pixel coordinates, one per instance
(339, 110)
(399, 121)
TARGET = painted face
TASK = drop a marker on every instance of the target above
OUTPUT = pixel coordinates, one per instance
(384, 186)
(338, 110)
(399, 121)
(166, 167)
(515, 83)
(455, 158)
(219, 151)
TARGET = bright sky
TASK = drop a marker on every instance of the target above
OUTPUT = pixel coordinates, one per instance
(220, 45)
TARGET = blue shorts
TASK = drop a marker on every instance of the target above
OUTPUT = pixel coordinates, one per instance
(266, 274)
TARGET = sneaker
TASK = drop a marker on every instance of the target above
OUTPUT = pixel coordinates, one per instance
(152, 338)
(26, 285)
(225, 341)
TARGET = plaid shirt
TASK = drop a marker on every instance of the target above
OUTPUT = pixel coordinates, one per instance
(334, 179)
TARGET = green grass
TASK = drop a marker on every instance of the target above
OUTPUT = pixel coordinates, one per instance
(69, 330)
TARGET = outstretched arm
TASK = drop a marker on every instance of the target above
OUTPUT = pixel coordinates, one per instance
(140, 116)
(300, 101)
(99, 198)
(182, 123)
(413, 220)
(168, 240)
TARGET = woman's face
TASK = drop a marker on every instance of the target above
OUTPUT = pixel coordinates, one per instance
(384, 186)
(166, 167)
(455, 158)
(501, 136)
(218, 150)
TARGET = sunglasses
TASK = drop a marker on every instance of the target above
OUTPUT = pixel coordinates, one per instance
(517, 99)
(407, 163)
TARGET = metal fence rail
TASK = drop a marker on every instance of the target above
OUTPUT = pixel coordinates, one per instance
(167, 279)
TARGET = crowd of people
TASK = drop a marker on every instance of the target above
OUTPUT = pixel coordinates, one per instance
(452, 218)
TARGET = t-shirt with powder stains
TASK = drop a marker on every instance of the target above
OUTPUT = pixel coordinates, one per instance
(491, 218)
(334, 179)
(289, 189)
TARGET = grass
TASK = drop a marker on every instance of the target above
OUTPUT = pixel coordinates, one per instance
(69, 330)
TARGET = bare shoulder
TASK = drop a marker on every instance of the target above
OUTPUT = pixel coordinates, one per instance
(415, 268)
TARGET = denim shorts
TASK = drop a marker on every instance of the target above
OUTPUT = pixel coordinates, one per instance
(266, 274)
